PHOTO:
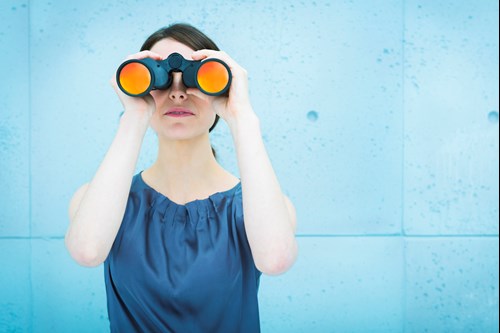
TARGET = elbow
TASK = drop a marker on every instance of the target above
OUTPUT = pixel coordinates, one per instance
(276, 269)
(82, 257)
(90, 261)
(279, 264)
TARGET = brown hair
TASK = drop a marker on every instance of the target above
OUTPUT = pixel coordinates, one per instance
(187, 35)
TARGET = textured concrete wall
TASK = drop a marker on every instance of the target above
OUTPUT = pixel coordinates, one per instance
(380, 119)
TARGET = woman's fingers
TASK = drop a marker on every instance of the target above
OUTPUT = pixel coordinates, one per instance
(206, 54)
(202, 54)
(239, 85)
(138, 55)
(145, 54)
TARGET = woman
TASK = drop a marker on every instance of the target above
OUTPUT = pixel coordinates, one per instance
(184, 242)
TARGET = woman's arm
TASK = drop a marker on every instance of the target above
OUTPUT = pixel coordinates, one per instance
(97, 213)
(270, 220)
(96, 210)
(269, 215)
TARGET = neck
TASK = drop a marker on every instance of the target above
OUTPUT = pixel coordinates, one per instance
(186, 163)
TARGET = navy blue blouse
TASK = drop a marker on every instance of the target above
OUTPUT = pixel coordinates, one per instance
(182, 268)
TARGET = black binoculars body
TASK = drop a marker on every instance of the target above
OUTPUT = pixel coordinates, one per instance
(137, 77)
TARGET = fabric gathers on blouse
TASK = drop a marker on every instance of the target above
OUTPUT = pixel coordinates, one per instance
(182, 268)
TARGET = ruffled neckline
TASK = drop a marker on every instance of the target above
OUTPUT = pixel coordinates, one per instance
(226, 193)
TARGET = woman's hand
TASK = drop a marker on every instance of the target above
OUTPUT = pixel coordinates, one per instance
(237, 105)
(143, 106)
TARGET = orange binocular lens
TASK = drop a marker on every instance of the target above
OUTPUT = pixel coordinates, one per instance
(137, 77)
(212, 76)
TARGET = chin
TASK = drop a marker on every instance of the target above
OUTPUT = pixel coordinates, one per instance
(182, 134)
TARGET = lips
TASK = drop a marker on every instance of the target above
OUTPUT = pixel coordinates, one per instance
(177, 111)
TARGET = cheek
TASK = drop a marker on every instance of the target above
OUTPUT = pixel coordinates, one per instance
(154, 121)
(155, 95)
(204, 109)
(208, 116)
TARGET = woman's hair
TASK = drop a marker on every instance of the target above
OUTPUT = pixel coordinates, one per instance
(187, 35)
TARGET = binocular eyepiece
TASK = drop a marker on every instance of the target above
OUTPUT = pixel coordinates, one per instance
(137, 77)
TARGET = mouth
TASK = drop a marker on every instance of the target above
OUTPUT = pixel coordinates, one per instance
(178, 112)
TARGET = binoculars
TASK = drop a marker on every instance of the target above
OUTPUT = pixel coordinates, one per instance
(137, 77)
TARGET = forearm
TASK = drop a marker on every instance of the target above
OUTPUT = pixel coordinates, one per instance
(267, 221)
(93, 229)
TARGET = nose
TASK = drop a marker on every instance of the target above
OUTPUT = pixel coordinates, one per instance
(177, 89)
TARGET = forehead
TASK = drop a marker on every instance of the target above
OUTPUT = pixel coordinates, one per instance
(167, 46)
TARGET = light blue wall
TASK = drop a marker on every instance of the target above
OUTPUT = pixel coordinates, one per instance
(380, 119)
